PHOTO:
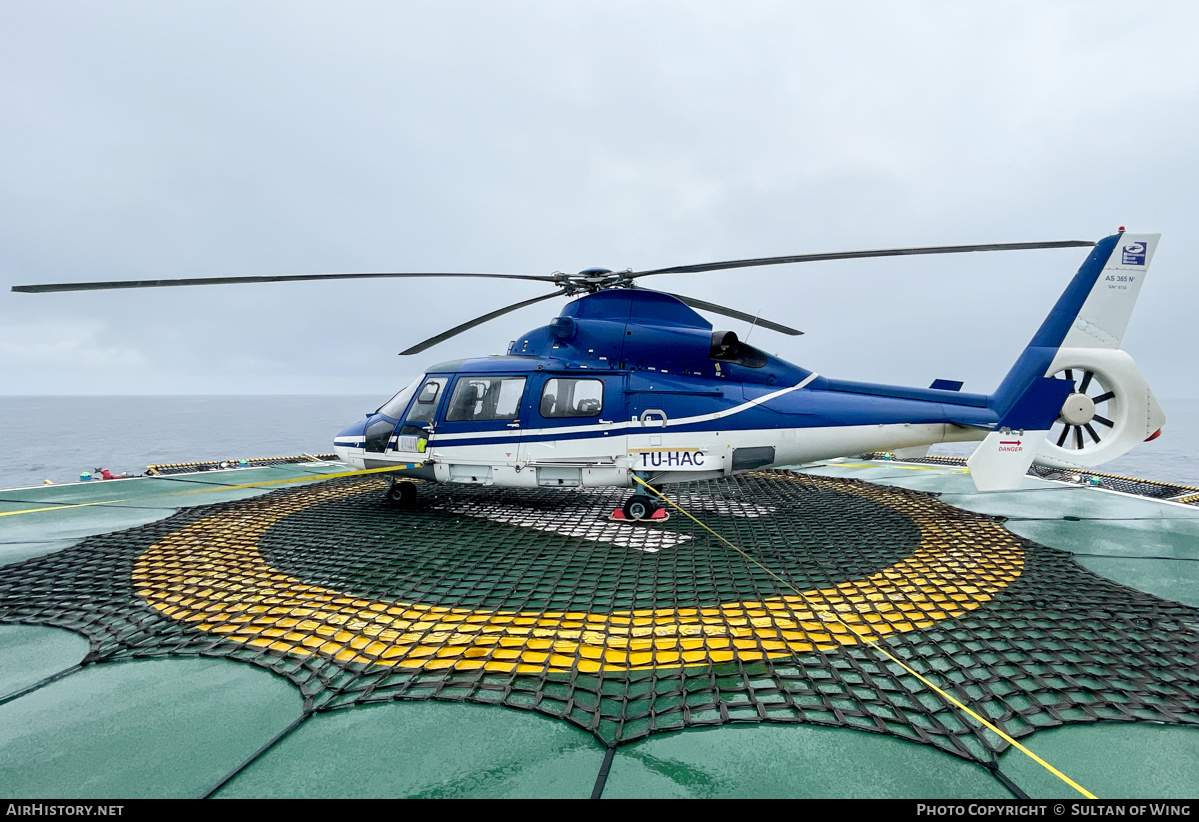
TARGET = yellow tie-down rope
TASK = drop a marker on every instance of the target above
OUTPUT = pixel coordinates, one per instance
(309, 478)
(832, 615)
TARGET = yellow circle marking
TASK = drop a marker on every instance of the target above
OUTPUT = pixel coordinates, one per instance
(212, 576)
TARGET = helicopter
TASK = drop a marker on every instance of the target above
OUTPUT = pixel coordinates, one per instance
(632, 387)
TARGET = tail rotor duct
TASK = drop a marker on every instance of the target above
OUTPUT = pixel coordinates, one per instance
(1086, 416)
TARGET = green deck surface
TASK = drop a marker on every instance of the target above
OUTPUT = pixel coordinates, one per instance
(140, 729)
(30, 653)
(1115, 761)
(761, 761)
(42, 519)
(173, 727)
(426, 749)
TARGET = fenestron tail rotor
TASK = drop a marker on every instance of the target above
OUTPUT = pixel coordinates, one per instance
(1087, 415)
(588, 281)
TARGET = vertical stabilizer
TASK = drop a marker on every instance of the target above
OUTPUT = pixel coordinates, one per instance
(1101, 320)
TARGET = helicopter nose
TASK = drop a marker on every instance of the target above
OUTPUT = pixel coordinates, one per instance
(352, 438)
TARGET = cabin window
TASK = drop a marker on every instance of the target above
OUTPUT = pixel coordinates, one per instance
(486, 398)
(572, 398)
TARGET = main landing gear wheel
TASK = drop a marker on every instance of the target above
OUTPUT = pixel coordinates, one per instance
(402, 494)
(639, 508)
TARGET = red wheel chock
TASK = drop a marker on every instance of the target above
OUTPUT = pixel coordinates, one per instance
(660, 515)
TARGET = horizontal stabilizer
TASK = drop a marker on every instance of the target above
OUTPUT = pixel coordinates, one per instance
(1002, 460)
(1038, 406)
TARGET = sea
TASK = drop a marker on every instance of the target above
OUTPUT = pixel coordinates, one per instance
(60, 437)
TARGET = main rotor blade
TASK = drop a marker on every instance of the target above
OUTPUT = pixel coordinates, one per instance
(287, 278)
(857, 255)
(469, 324)
(735, 314)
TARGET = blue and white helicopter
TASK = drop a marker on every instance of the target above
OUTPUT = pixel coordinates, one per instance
(628, 382)
(630, 387)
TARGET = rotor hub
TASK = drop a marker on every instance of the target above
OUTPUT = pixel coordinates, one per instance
(1079, 409)
(591, 280)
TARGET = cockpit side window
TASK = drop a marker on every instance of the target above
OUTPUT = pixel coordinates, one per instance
(395, 406)
(572, 398)
(425, 408)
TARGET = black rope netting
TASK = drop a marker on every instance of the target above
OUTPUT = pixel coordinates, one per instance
(537, 600)
(1153, 489)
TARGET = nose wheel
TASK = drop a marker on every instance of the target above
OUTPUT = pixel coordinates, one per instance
(402, 493)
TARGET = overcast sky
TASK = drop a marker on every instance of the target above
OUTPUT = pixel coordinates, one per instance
(150, 140)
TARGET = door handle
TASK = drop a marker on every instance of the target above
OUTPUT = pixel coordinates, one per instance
(653, 418)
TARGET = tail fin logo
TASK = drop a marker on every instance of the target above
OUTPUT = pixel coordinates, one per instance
(1134, 254)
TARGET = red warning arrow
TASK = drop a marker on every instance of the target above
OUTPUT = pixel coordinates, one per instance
(1009, 442)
